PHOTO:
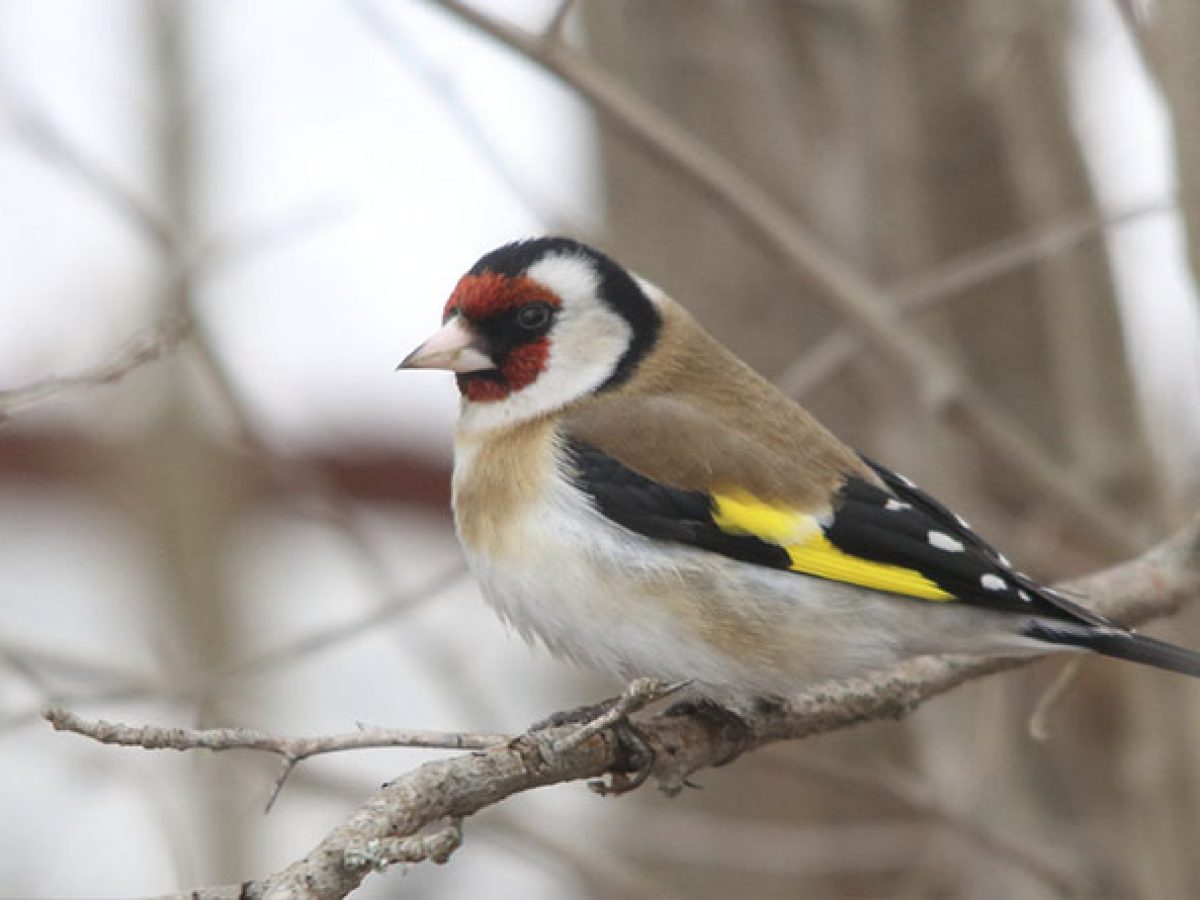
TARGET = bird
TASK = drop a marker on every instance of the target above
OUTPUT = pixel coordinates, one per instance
(631, 495)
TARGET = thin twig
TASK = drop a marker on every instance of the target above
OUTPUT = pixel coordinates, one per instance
(1039, 719)
(154, 737)
(607, 872)
(40, 658)
(24, 668)
(164, 336)
(553, 35)
(145, 347)
(943, 389)
(954, 278)
(43, 138)
(365, 623)
(130, 688)
(775, 848)
(976, 267)
(917, 798)
(251, 242)
(293, 750)
(406, 53)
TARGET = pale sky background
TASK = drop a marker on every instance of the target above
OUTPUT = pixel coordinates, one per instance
(308, 114)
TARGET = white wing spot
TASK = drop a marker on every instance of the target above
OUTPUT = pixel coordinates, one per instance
(943, 541)
(1004, 560)
(992, 582)
(895, 505)
(906, 481)
(1024, 596)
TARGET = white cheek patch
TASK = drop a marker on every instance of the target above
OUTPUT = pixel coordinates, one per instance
(569, 276)
(587, 341)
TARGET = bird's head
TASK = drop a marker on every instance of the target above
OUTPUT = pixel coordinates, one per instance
(536, 325)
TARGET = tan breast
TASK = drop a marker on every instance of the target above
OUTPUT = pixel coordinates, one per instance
(498, 476)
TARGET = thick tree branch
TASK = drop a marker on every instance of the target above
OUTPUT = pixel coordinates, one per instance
(450, 789)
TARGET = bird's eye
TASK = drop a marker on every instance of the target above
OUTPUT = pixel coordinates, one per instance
(533, 316)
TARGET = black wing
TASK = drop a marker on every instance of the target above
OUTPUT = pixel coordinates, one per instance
(872, 535)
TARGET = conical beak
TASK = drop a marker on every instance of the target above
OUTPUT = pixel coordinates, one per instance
(454, 348)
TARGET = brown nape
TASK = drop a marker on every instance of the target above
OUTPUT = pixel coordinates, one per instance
(695, 416)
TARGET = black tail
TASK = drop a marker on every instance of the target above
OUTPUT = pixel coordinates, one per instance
(1118, 643)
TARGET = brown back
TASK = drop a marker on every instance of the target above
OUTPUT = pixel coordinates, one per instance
(695, 416)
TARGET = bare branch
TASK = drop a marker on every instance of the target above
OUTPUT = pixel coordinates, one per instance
(1039, 719)
(1153, 585)
(251, 242)
(44, 139)
(553, 35)
(640, 693)
(163, 337)
(144, 347)
(987, 263)
(945, 391)
(38, 660)
(605, 871)
(367, 622)
(293, 750)
(129, 687)
(916, 797)
(954, 278)
(407, 53)
(155, 737)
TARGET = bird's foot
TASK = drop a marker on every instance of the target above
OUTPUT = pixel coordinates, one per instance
(579, 715)
(732, 729)
(635, 757)
(634, 762)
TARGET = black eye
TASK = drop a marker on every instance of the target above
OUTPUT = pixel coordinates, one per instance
(533, 316)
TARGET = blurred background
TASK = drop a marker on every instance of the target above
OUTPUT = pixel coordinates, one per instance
(224, 224)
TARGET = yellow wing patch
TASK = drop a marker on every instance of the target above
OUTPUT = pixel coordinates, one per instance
(742, 514)
(810, 551)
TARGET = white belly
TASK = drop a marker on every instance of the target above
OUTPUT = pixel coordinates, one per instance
(612, 600)
(615, 601)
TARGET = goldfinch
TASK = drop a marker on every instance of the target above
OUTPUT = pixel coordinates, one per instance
(635, 497)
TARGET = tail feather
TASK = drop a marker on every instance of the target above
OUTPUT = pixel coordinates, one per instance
(1118, 643)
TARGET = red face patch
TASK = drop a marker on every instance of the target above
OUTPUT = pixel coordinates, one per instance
(484, 299)
(487, 296)
(482, 388)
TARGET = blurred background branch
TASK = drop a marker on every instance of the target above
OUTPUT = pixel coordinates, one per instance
(965, 231)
